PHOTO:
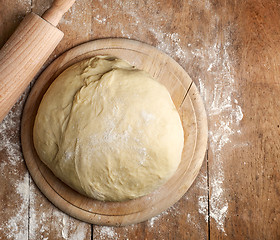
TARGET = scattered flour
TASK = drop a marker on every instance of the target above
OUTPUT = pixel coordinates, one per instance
(99, 19)
(170, 43)
(16, 227)
(76, 18)
(104, 233)
(203, 199)
(68, 227)
(18, 224)
(15, 222)
(9, 137)
(147, 117)
(24, 6)
(153, 219)
(25, 211)
(79, 233)
(224, 115)
(173, 210)
(224, 112)
(63, 226)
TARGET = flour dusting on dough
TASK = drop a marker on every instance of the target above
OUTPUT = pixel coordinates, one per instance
(147, 117)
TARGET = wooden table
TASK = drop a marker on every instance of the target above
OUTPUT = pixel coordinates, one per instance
(231, 49)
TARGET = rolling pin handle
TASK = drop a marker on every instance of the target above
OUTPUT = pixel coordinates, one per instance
(27, 50)
(58, 8)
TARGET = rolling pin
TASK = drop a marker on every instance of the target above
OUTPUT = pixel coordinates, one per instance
(26, 51)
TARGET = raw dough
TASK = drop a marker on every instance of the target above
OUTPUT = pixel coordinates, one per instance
(109, 130)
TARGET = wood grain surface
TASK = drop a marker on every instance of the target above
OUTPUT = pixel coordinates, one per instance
(231, 51)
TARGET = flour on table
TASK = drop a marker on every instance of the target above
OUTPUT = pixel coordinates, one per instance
(223, 109)
(100, 20)
(16, 227)
(173, 210)
(9, 143)
(203, 199)
(104, 233)
(62, 225)
(226, 113)
(24, 212)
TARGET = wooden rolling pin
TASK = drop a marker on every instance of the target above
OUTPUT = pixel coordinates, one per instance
(26, 51)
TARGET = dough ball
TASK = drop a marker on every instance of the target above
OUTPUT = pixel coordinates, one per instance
(109, 130)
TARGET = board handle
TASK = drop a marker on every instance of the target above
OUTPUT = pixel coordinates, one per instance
(58, 8)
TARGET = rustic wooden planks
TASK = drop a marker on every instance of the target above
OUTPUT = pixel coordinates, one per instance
(230, 49)
(14, 178)
(176, 222)
(236, 65)
(253, 181)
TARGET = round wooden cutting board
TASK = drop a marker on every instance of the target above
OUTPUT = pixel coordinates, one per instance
(190, 107)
